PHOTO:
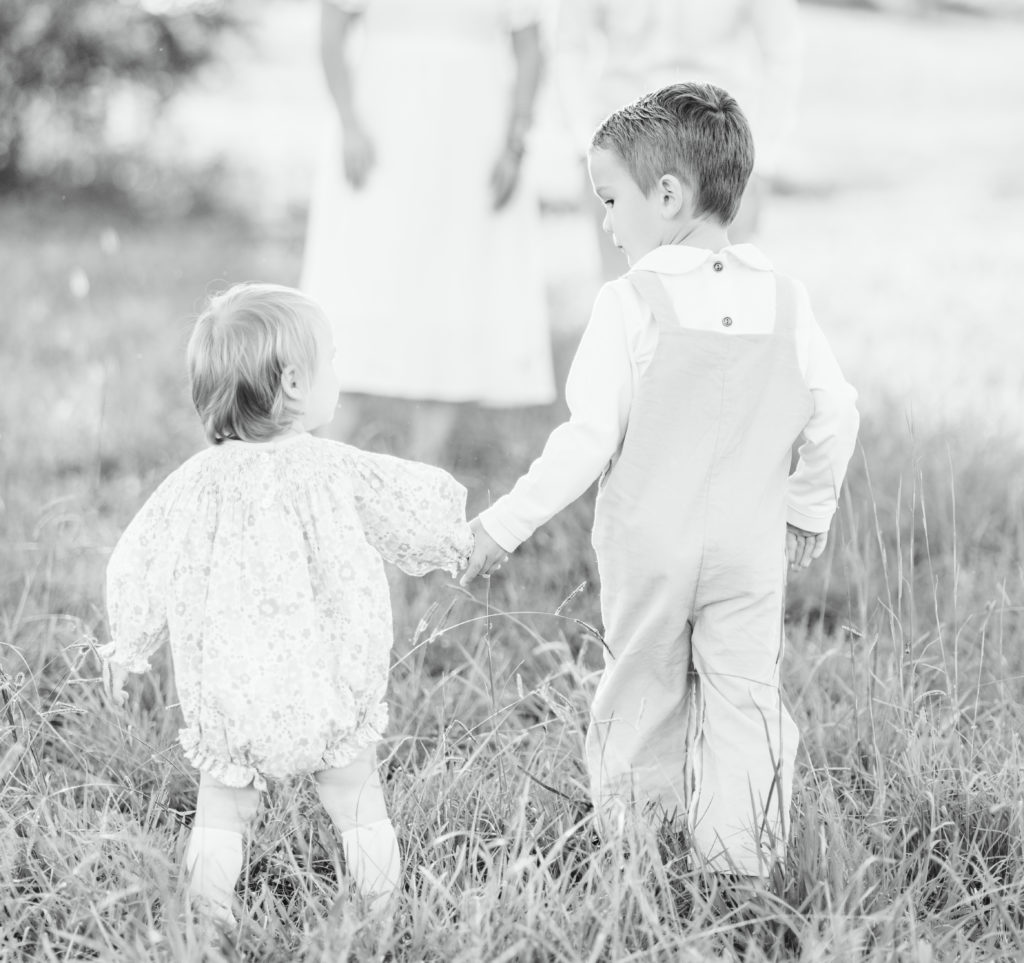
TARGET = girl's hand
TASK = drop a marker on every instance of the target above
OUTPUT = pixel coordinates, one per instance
(505, 176)
(114, 679)
(358, 154)
(803, 547)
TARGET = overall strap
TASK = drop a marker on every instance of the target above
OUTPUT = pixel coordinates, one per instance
(785, 304)
(652, 292)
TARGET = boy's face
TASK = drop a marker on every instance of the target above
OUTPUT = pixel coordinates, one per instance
(635, 220)
(322, 396)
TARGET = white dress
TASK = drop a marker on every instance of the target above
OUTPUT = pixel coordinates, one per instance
(433, 294)
(262, 564)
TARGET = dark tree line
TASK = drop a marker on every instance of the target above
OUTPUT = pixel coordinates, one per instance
(64, 54)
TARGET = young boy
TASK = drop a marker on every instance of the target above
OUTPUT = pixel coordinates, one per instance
(698, 371)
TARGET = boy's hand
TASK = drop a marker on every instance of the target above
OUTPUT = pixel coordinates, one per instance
(803, 547)
(487, 555)
(114, 679)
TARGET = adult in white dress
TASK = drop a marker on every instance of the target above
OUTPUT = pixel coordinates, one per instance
(422, 242)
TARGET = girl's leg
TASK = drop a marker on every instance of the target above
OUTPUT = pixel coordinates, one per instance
(213, 859)
(354, 800)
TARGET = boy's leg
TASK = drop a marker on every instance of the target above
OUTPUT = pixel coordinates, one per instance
(641, 726)
(354, 800)
(748, 741)
(213, 859)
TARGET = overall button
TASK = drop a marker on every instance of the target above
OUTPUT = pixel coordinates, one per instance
(718, 265)
(726, 322)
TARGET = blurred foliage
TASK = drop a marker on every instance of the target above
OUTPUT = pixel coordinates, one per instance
(59, 59)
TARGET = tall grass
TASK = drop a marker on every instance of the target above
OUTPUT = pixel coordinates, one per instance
(903, 670)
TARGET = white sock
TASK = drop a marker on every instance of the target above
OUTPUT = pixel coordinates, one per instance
(372, 858)
(214, 863)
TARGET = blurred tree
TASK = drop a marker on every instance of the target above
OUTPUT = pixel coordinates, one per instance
(65, 55)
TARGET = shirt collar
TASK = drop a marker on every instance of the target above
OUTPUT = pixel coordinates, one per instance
(681, 259)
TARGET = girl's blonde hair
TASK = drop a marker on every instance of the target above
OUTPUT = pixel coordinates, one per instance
(240, 346)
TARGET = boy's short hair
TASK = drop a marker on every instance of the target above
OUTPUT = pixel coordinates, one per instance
(240, 346)
(693, 130)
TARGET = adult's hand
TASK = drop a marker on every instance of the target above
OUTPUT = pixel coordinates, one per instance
(358, 154)
(505, 177)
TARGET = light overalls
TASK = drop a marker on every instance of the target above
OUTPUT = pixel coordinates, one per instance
(689, 533)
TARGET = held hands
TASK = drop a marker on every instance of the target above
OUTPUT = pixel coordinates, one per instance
(487, 555)
(803, 547)
(114, 678)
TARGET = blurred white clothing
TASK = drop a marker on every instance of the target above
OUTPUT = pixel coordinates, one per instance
(610, 52)
(432, 293)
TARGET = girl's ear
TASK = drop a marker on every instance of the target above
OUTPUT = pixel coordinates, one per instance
(675, 195)
(291, 383)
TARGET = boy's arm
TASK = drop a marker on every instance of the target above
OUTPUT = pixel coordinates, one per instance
(598, 392)
(828, 438)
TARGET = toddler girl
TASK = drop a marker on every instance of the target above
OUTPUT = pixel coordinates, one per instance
(260, 559)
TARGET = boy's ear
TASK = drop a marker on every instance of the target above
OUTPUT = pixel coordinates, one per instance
(291, 383)
(675, 195)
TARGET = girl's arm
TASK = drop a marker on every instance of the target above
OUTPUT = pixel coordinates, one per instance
(336, 25)
(414, 515)
(526, 48)
(137, 576)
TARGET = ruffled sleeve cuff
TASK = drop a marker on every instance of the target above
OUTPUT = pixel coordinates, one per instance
(132, 663)
(462, 548)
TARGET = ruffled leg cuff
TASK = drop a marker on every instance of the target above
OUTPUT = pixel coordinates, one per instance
(229, 773)
(368, 733)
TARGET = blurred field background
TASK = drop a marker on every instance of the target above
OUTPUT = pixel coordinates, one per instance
(900, 205)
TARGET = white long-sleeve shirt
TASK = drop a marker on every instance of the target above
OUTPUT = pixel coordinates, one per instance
(736, 284)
